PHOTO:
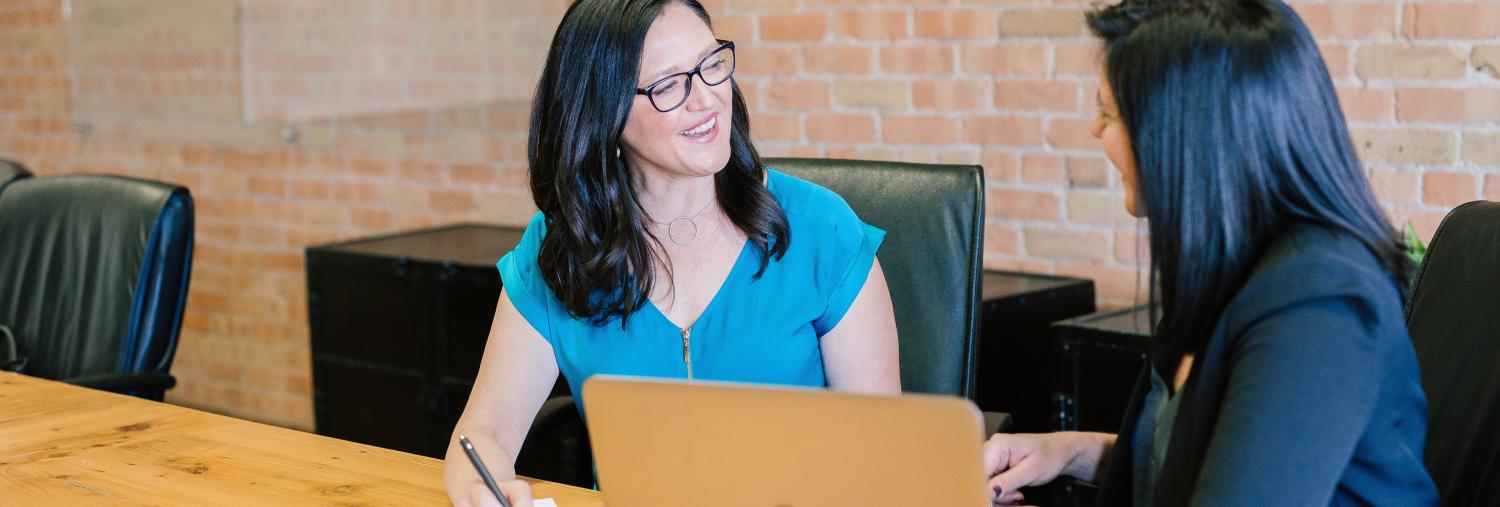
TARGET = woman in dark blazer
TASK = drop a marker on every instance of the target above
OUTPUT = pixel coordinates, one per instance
(1282, 373)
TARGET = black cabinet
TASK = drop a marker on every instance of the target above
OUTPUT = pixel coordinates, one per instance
(1016, 366)
(398, 325)
(1101, 356)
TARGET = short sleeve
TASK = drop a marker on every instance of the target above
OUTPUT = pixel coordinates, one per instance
(521, 278)
(847, 252)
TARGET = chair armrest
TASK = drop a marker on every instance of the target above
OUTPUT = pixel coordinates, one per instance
(996, 422)
(1074, 492)
(555, 412)
(557, 446)
(148, 385)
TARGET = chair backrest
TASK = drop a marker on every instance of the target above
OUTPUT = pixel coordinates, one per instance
(932, 256)
(94, 272)
(10, 171)
(1454, 319)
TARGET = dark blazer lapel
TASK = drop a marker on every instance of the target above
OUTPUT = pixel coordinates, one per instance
(1115, 482)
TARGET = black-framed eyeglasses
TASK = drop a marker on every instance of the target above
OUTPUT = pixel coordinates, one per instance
(671, 92)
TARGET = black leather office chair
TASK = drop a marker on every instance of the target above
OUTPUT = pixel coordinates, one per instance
(93, 279)
(932, 257)
(10, 171)
(1454, 319)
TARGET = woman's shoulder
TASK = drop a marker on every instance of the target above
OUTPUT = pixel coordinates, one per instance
(1309, 263)
(531, 237)
(1313, 252)
(523, 258)
(805, 201)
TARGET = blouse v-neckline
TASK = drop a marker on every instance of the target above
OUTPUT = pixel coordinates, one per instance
(713, 302)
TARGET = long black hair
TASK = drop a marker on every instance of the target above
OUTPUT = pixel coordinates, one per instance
(1237, 134)
(597, 255)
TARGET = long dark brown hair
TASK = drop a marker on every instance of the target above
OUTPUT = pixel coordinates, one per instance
(597, 255)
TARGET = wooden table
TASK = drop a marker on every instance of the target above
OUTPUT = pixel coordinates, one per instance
(68, 445)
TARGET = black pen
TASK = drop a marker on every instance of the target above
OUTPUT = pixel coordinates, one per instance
(484, 473)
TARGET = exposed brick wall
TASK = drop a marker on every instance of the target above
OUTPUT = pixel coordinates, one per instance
(297, 123)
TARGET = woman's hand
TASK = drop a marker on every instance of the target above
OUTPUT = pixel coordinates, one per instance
(517, 492)
(1014, 461)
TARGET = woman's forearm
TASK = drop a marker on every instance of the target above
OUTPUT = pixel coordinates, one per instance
(1090, 450)
(459, 473)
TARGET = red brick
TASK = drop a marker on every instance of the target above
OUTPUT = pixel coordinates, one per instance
(1342, 21)
(1486, 59)
(1367, 104)
(952, 23)
(919, 59)
(1100, 208)
(372, 219)
(1453, 20)
(1492, 187)
(1405, 146)
(936, 155)
(472, 173)
(797, 94)
(369, 168)
(919, 129)
(1000, 166)
(1009, 60)
(1042, 22)
(1337, 58)
(1071, 133)
(1018, 204)
(1003, 131)
(802, 27)
(775, 126)
(1394, 186)
(841, 60)
(310, 190)
(1001, 238)
(766, 61)
(1132, 248)
(870, 24)
(274, 186)
(1087, 172)
(1393, 61)
(1482, 148)
(739, 28)
(452, 201)
(1042, 168)
(1036, 95)
(1448, 189)
(950, 94)
(885, 93)
(1449, 105)
(1068, 244)
(841, 128)
(1077, 59)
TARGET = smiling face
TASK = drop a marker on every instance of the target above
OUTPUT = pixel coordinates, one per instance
(1108, 128)
(693, 139)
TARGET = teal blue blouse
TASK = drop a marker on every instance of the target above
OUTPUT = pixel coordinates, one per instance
(761, 330)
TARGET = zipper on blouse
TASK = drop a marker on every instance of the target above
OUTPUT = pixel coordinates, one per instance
(687, 350)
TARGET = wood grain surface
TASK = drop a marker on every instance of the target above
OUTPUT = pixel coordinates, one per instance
(67, 445)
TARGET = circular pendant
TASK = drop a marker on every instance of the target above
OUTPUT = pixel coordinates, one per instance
(682, 231)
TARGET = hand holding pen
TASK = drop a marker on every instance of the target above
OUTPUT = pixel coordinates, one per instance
(509, 494)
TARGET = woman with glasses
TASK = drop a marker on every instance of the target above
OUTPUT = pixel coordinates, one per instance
(1282, 372)
(663, 247)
